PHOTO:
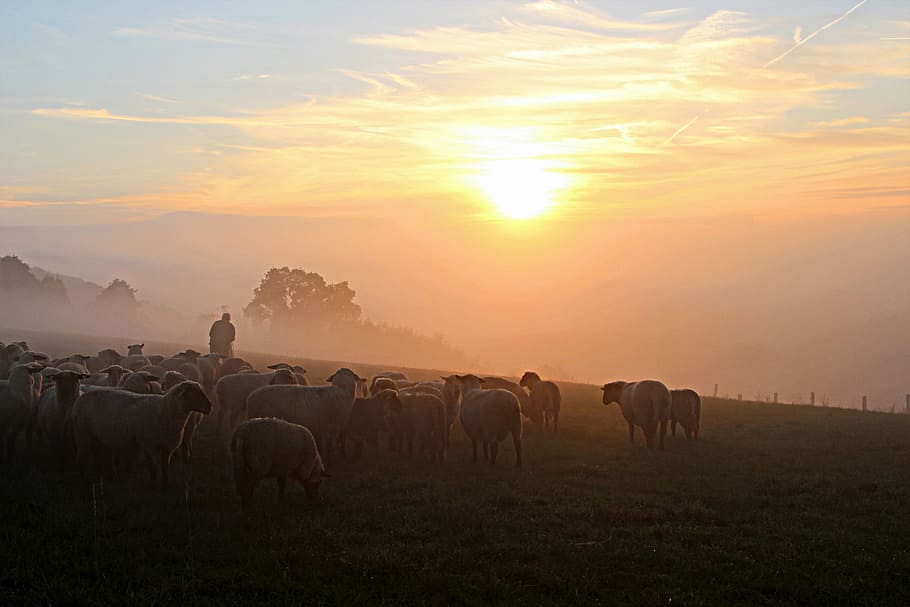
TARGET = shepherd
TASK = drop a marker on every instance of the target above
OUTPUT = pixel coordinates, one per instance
(221, 336)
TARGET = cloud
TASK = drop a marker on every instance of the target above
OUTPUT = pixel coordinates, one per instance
(246, 77)
(206, 29)
(842, 122)
(156, 98)
(587, 100)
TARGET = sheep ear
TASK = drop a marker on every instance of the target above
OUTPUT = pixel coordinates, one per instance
(331, 379)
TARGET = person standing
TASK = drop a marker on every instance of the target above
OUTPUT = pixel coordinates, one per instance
(221, 336)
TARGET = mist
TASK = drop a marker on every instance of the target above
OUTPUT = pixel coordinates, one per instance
(757, 306)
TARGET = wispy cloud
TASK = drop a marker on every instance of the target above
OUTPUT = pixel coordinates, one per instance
(202, 29)
(853, 120)
(662, 14)
(801, 41)
(156, 98)
(247, 77)
(573, 13)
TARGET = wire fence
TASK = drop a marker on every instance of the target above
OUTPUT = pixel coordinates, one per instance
(899, 404)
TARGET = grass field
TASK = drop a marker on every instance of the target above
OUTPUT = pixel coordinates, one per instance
(775, 505)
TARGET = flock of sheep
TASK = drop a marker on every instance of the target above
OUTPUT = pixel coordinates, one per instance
(110, 412)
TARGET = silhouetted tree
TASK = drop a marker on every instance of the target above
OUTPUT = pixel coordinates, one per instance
(297, 297)
(119, 293)
(15, 274)
(54, 289)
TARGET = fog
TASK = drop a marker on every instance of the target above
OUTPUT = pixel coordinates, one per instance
(789, 305)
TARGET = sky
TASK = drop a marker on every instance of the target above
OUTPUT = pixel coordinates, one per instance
(486, 170)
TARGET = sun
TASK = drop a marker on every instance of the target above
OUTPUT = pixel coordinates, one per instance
(520, 188)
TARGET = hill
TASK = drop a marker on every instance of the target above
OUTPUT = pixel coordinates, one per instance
(774, 505)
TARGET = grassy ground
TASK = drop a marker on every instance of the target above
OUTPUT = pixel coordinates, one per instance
(775, 504)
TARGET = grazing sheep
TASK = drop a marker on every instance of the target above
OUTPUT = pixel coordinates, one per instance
(422, 420)
(18, 397)
(274, 448)
(643, 403)
(487, 416)
(171, 379)
(54, 411)
(231, 392)
(105, 358)
(325, 410)
(545, 398)
(134, 349)
(685, 408)
(115, 422)
(499, 383)
(380, 383)
(368, 418)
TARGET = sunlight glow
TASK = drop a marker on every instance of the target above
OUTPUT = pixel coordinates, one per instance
(520, 188)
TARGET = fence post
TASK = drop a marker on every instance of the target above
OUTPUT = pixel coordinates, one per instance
(775, 397)
(812, 398)
(715, 390)
(864, 404)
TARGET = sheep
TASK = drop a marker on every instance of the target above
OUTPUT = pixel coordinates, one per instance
(18, 397)
(487, 416)
(171, 379)
(105, 358)
(156, 370)
(545, 398)
(325, 410)
(79, 359)
(74, 367)
(140, 382)
(297, 370)
(231, 366)
(54, 411)
(155, 359)
(30, 356)
(643, 403)
(499, 383)
(231, 392)
(8, 355)
(380, 383)
(274, 448)
(191, 371)
(368, 418)
(135, 362)
(109, 376)
(451, 396)
(685, 408)
(422, 419)
(134, 349)
(150, 426)
(208, 369)
(392, 375)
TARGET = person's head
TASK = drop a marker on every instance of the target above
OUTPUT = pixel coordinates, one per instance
(226, 316)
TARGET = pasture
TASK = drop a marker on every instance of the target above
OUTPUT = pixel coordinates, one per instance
(775, 504)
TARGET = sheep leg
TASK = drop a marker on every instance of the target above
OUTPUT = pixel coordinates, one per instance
(546, 419)
(688, 435)
(556, 421)
(486, 451)
(631, 433)
(516, 440)
(165, 462)
(663, 432)
(649, 437)
(494, 450)
(282, 482)
(474, 449)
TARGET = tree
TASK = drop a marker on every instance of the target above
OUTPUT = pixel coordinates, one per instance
(296, 297)
(119, 294)
(15, 274)
(54, 289)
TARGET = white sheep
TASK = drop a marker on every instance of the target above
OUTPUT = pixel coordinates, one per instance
(18, 398)
(231, 392)
(392, 374)
(274, 448)
(499, 383)
(8, 356)
(325, 410)
(134, 349)
(105, 358)
(140, 382)
(53, 417)
(115, 422)
(230, 366)
(545, 399)
(488, 416)
(380, 383)
(643, 403)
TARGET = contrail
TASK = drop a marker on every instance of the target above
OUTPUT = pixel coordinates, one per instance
(681, 129)
(802, 41)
